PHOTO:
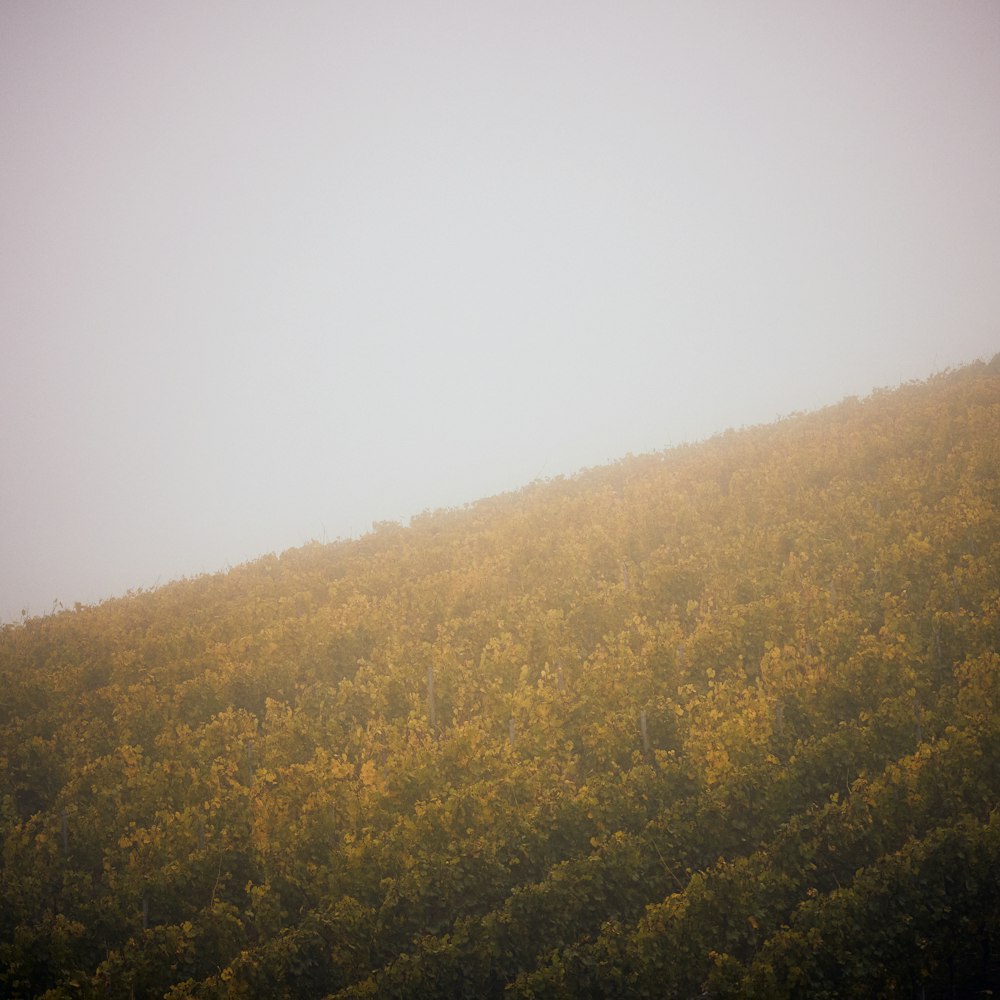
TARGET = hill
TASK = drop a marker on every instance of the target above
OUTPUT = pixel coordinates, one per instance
(719, 721)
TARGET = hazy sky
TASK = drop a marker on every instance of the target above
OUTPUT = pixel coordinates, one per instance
(270, 271)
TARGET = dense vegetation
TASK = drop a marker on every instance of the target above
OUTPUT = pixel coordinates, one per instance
(720, 721)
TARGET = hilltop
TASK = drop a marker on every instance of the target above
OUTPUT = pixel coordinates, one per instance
(720, 721)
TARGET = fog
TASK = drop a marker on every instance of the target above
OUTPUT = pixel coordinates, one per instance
(271, 272)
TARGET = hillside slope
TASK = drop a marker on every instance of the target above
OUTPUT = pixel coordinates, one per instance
(718, 721)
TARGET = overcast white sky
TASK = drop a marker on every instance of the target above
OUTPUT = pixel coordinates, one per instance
(270, 271)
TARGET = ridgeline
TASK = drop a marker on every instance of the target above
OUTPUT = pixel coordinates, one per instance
(720, 721)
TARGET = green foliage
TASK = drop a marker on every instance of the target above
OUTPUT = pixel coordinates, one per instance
(722, 721)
